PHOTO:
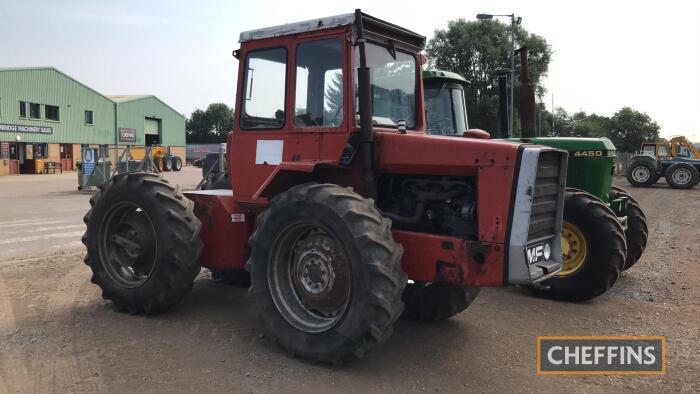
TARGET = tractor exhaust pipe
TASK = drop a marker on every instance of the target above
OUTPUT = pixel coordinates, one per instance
(366, 127)
(528, 125)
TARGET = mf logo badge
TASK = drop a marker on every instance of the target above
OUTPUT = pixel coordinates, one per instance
(643, 355)
(538, 253)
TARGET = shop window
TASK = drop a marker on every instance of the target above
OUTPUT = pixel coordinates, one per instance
(89, 117)
(41, 151)
(264, 88)
(104, 151)
(34, 111)
(22, 109)
(51, 112)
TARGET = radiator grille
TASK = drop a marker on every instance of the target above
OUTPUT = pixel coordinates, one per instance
(543, 215)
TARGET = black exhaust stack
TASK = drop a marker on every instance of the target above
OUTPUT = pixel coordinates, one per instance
(366, 127)
(528, 125)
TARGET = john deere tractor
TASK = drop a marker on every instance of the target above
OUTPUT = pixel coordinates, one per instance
(604, 229)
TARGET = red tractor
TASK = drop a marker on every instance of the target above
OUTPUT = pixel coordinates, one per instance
(343, 210)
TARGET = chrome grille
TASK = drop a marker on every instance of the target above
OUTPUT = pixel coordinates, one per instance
(543, 214)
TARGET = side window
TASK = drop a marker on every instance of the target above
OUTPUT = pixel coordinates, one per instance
(264, 88)
(662, 150)
(319, 84)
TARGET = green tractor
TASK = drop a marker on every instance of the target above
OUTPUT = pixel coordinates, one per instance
(604, 230)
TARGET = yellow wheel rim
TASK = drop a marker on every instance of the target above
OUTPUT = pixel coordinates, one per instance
(574, 248)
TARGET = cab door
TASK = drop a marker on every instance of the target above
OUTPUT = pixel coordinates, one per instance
(292, 93)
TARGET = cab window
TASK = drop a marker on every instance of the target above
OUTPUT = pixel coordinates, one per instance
(263, 104)
(319, 84)
(662, 150)
(649, 150)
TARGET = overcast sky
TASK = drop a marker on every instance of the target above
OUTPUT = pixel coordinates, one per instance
(607, 54)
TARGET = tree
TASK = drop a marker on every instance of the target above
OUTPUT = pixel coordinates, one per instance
(629, 128)
(210, 126)
(476, 50)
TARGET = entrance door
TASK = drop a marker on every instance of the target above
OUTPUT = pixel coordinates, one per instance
(14, 158)
(66, 157)
(26, 159)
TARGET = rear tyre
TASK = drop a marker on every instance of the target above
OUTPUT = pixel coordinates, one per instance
(326, 273)
(637, 232)
(681, 175)
(594, 248)
(167, 163)
(142, 242)
(642, 171)
(232, 276)
(436, 301)
(177, 164)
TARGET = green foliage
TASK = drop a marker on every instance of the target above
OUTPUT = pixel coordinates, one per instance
(476, 50)
(210, 126)
(628, 128)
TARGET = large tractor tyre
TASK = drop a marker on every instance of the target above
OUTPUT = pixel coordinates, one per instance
(220, 180)
(637, 232)
(167, 163)
(436, 301)
(593, 244)
(681, 175)
(142, 242)
(177, 163)
(232, 276)
(326, 273)
(642, 172)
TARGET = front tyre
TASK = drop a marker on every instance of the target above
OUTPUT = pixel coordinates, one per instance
(637, 232)
(326, 273)
(142, 242)
(642, 171)
(593, 244)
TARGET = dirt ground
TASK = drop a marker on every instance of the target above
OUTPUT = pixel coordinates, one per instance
(58, 335)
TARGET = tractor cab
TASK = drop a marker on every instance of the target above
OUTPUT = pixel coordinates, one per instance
(445, 107)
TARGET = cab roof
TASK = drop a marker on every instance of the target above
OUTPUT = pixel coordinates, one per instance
(447, 76)
(370, 24)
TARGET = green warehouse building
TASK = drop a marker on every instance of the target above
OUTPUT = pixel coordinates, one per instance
(47, 116)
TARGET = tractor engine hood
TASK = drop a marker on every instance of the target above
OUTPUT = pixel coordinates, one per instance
(441, 155)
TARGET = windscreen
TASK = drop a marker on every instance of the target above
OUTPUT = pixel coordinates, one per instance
(393, 84)
(445, 109)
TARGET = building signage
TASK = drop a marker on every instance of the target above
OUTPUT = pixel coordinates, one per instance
(16, 128)
(127, 135)
(88, 161)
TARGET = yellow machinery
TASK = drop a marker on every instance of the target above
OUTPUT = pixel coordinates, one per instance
(678, 146)
(163, 159)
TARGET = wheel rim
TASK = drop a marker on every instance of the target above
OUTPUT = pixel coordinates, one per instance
(574, 248)
(309, 277)
(127, 245)
(681, 176)
(641, 174)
